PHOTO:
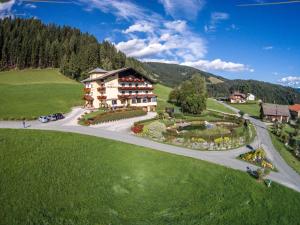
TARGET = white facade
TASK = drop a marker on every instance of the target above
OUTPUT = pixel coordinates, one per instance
(116, 89)
(250, 97)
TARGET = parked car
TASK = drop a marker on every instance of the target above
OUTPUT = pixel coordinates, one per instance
(52, 117)
(43, 119)
(59, 116)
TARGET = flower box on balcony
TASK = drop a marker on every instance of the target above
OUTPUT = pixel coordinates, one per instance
(101, 97)
(101, 88)
(86, 90)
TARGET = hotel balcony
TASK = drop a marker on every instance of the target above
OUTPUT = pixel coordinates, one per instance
(101, 97)
(86, 90)
(129, 79)
(136, 96)
(126, 88)
(102, 88)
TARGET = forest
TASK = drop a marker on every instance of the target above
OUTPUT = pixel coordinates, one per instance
(28, 43)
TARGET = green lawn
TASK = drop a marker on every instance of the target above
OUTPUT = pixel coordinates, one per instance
(163, 95)
(251, 109)
(214, 105)
(63, 178)
(30, 93)
(285, 153)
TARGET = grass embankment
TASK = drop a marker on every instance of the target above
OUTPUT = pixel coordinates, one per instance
(163, 95)
(214, 105)
(63, 178)
(31, 93)
(286, 153)
(252, 109)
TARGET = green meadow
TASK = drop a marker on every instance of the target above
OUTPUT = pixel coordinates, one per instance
(63, 178)
(252, 109)
(31, 93)
(163, 95)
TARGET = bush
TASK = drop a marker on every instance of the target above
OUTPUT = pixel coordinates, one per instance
(155, 130)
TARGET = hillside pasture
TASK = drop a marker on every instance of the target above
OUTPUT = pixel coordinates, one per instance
(30, 93)
(252, 109)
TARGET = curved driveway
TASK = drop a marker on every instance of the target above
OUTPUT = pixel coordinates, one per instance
(285, 175)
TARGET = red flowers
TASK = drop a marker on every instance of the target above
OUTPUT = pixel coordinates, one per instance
(137, 128)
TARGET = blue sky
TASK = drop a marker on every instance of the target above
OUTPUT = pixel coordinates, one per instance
(260, 42)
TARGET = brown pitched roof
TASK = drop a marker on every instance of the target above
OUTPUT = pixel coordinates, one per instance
(295, 108)
(113, 72)
(275, 110)
(236, 93)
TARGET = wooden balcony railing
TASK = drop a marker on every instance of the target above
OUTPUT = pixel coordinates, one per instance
(130, 79)
(136, 96)
(101, 97)
(101, 88)
(135, 88)
(86, 90)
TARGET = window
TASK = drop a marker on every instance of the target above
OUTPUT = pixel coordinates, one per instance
(136, 85)
(130, 84)
(91, 85)
(114, 102)
(136, 92)
(153, 99)
(146, 92)
(123, 85)
(123, 92)
(144, 100)
(146, 84)
(138, 100)
(134, 101)
(130, 92)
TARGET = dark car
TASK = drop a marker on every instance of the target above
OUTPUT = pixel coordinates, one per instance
(59, 116)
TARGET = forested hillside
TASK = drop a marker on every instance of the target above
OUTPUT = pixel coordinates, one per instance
(173, 74)
(217, 86)
(28, 43)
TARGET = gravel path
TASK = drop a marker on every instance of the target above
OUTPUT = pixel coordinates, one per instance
(119, 131)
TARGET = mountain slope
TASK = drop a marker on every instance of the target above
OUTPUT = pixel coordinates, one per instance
(172, 75)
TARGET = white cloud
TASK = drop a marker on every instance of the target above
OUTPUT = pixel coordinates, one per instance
(293, 81)
(183, 9)
(160, 61)
(215, 19)
(139, 27)
(268, 48)
(5, 8)
(29, 5)
(177, 25)
(218, 64)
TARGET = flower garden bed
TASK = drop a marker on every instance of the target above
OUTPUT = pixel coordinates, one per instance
(217, 134)
(118, 114)
(258, 158)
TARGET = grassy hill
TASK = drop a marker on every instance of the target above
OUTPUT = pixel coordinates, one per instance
(31, 93)
(63, 178)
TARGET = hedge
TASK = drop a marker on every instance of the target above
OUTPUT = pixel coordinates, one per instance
(114, 115)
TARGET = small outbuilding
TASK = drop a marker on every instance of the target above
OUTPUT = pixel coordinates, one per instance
(250, 97)
(275, 112)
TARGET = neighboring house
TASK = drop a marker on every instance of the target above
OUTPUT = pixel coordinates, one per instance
(275, 112)
(250, 97)
(237, 97)
(295, 111)
(119, 88)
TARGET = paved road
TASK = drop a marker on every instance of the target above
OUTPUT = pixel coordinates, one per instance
(285, 176)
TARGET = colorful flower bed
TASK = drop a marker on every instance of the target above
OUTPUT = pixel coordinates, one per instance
(257, 157)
